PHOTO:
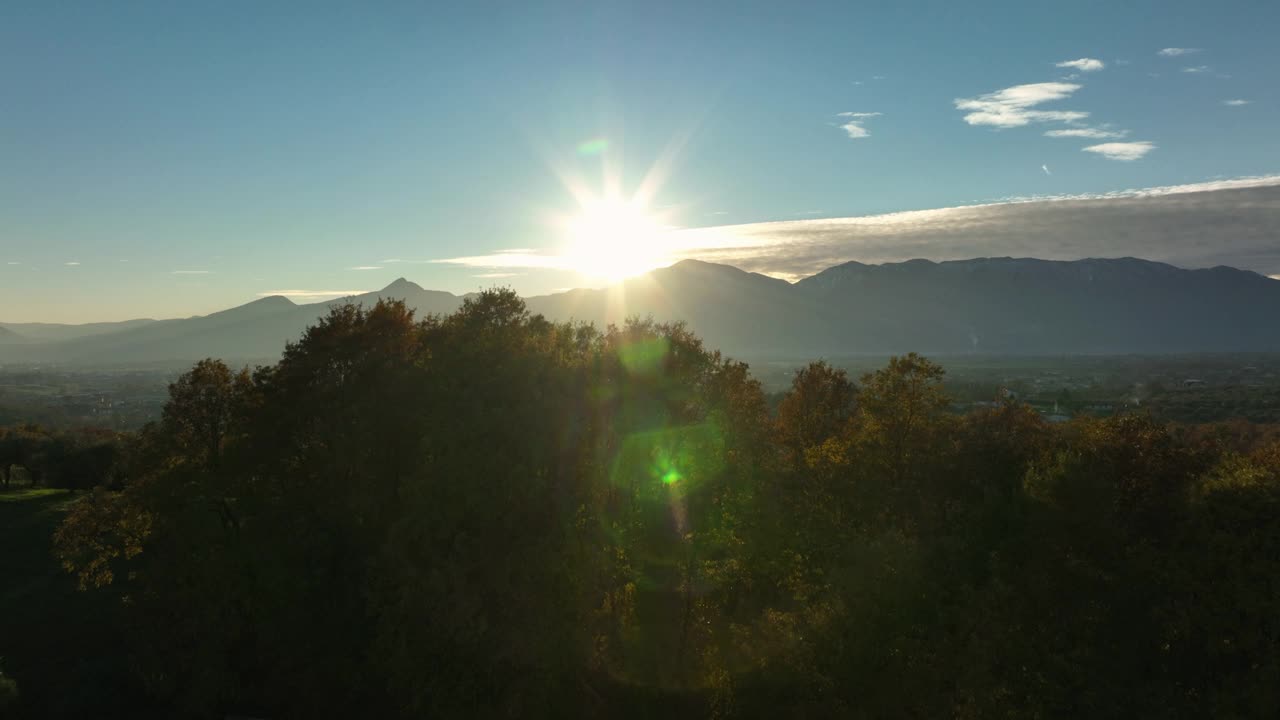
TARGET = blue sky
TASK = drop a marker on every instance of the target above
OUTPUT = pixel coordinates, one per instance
(190, 156)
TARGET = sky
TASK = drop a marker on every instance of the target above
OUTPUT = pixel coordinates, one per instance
(163, 159)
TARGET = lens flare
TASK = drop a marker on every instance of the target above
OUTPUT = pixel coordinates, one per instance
(592, 147)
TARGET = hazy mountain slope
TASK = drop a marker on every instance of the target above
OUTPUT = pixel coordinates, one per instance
(52, 332)
(424, 302)
(986, 305)
(728, 307)
(256, 331)
(1027, 305)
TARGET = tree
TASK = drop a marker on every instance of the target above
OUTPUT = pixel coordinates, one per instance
(201, 408)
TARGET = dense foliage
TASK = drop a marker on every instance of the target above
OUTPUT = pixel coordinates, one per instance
(488, 514)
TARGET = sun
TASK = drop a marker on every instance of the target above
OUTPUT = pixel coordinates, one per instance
(614, 238)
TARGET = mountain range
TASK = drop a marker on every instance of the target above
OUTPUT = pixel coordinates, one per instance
(983, 305)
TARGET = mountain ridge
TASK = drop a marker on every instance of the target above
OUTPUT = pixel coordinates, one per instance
(986, 304)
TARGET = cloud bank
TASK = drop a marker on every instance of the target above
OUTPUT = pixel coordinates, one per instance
(1222, 222)
(1225, 222)
(312, 294)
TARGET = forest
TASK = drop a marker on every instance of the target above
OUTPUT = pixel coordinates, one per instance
(488, 514)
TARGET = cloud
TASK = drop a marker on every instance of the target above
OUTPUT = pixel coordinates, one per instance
(500, 259)
(854, 124)
(366, 267)
(312, 293)
(1083, 64)
(1014, 106)
(496, 275)
(1236, 103)
(1092, 133)
(13, 262)
(392, 260)
(1045, 168)
(192, 272)
(73, 263)
(1167, 223)
(1196, 69)
(877, 77)
(1177, 52)
(1126, 151)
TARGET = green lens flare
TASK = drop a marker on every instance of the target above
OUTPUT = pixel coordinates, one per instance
(644, 357)
(671, 476)
(593, 147)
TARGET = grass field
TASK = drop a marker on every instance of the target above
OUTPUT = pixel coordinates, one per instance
(58, 644)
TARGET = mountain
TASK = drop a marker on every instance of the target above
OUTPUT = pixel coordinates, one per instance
(731, 309)
(426, 302)
(255, 331)
(983, 305)
(46, 332)
(1023, 305)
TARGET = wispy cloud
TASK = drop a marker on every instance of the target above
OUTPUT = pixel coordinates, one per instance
(366, 267)
(13, 262)
(192, 272)
(1083, 64)
(1177, 52)
(528, 259)
(1126, 151)
(1236, 103)
(854, 123)
(73, 263)
(391, 260)
(1196, 69)
(1015, 106)
(312, 293)
(496, 275)
(1091, 133)
(1045, 168)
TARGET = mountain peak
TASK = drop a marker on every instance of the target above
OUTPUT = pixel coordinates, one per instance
(270, 301)
(401, 285)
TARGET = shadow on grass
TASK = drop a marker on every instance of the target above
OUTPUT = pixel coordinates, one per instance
(61, 646)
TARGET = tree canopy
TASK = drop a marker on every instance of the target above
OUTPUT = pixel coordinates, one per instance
(489, 514)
